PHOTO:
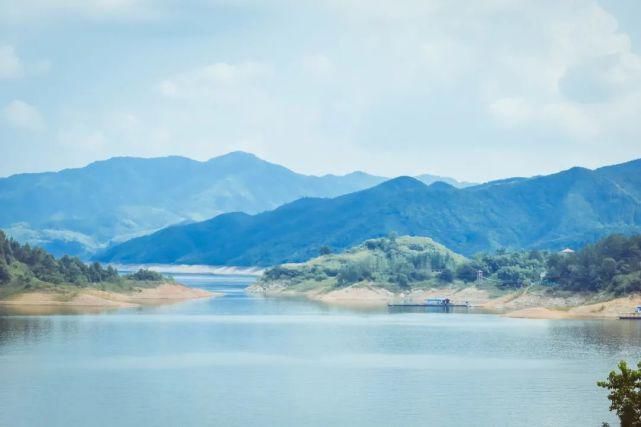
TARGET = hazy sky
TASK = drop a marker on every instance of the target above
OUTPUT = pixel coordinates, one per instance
(471, 89)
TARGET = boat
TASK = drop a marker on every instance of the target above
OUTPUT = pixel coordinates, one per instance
(635, 315)
(432, 302)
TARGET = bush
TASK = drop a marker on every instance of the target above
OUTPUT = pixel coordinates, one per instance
(281, 273)
(467, 272)
(625, 394)
(446, 276)
(5, 276)
(146, 275)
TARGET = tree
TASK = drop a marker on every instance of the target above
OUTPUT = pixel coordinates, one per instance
(446, 276)
(467, 272)
(5, 276)
(146, 275)
(608, 268)
(625, 394)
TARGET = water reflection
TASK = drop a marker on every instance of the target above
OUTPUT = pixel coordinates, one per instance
(247, 360)
(23, 330)
(599, 337)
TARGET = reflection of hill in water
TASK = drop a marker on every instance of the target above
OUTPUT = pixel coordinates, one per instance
(609, 337)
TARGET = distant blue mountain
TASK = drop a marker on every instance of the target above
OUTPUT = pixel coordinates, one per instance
(431, 179)
(569, 208)
(79, 210)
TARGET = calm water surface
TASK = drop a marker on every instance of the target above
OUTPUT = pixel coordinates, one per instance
(241, 360)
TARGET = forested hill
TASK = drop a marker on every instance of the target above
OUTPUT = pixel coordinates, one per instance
(570, 208)
(23, 267)
(76, 211)
(612, 266)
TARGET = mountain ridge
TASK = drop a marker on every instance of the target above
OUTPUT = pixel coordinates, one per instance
(568, 208)
(81, 210)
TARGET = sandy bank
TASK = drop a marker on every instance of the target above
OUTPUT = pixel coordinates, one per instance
(352, 295)
(611, 309)
(539, 313)
(523, 303)
(165, 293)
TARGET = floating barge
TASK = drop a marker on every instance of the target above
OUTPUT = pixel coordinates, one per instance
(636, 315)
(433, 303)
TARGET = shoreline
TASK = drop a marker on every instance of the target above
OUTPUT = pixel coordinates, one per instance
(192, 269)
(165, 293)
(520, 304)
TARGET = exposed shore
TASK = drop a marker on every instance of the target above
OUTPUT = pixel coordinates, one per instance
(192, 269)
(86, 297)
(519, 304)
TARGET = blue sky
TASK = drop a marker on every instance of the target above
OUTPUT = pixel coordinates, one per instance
(473, 90)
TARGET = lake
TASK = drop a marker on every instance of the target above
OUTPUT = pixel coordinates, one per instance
(242, 360)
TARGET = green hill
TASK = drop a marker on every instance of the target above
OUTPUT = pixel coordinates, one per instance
(612, 266)
(395, 263)
(23, 268)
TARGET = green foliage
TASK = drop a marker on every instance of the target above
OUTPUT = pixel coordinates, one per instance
(395, 261)
(33, 265)
(146, 275)
(5, 276)
(446, 276)
(625, 394)
(467, 272)
(512, 269)
(612, 265)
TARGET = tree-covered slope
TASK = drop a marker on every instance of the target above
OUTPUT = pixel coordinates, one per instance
(611, 266)
(79, 210)
(570, 208)
(392, 262)
(26, 268)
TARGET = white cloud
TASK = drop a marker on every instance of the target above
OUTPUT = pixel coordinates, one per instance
(386, 83)
(531, 63)
(22, 115)
(319, 66)
(24, 10)
(214, 80)
(83, 139)
(10, 64)
(565, 116)
(511, 111)
(578, 81)
(43, 66)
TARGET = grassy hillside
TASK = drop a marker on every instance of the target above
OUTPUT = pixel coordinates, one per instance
(610, 266)
(394, 263)
(23, 268)
(571, 208)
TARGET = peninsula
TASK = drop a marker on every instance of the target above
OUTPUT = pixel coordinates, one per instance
(528, 284)
(30, 276)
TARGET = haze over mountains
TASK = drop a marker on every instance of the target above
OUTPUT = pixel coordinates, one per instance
(78, 211)
(569, 208)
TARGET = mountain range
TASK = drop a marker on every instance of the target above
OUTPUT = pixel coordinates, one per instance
(566, 209)
(79, 211)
